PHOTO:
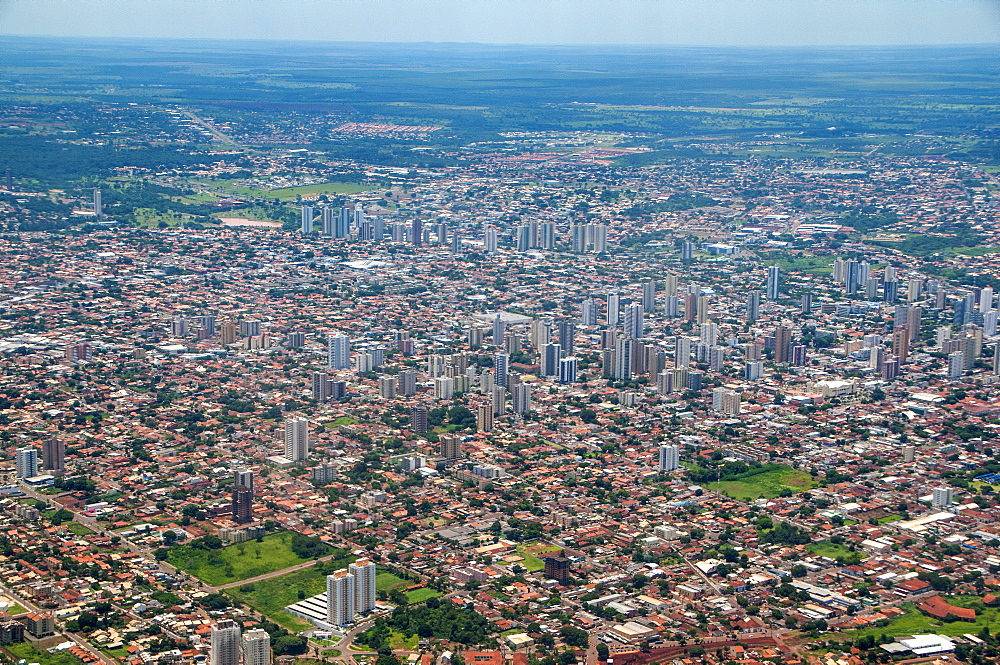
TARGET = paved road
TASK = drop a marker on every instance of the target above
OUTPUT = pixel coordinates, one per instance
(267, 576)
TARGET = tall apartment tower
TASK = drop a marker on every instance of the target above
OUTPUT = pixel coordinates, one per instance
(669, 457)
(521, 400)
(568, 369)
(297, 439)
(773, 282)
(98, 206)
(256, 647)
(53, 455)
(782, 344)
(225, 643)
(340, 595)
(363, 571)
(649, 296)
(588, 312)
(566, 332)
(753, 306)
(338, 350)
(634, 324)
(242, 504)
(307, 219)
(418, 418)
(26, 462)
(614, 309)
(451, 446)
(484, 417)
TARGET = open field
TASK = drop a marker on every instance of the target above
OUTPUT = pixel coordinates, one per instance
(38, 654)
(814, 265)
(78, 529)
(270, 597)
(291, 193)
(388, 582)
(422, 594)
(765, 485)
(237, 562)
(832, 550)
(530, 552)
(915, 622)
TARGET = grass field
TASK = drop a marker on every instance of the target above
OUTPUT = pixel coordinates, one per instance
(399, 641)
(530, 552)
(270, 597)
(290, 193)
(388, 582)
(422, 594)
(832, 550)
(765, 485)
(78, 529)
(39, 655)
(915, 622)
(237, 562)
(340, 422)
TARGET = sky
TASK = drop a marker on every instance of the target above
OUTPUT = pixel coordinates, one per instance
(655, 22)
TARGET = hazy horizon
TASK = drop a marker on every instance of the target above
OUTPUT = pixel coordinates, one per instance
(708, 23)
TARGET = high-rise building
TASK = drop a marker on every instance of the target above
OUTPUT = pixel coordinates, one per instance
(364, 573)
(614, 309)
(682, 351)
(782, 344)
(297, 439)
(418, 418)
(490, 241)
(901, 343)
(773, 282)
(669, 458)
(568, 370)
(687, 250)
(566, 333)
(634, 324)
(753, 306)
(649, 296)
(417, 233)
(53, 455)
(622, 368)
(387, 386)
(225, 643)
(321, 386)
(551, 353)
(501, 365)
(956, 364)
(307, 219)
(588, 313)
(340, 597)
(547, 235)
(499, 329)
(521, 398)
(499, 400)
(484, 417)
(942, 497)
(556, 567)
(227, 333)
(451, 446)
(79, 352)
(179, 327)
(242, 504)
(98, 205)
(26, 462)
(338, 349)
(244, 477)
(256, 647)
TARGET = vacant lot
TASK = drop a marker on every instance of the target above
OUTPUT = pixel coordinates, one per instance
(530, 552)
(915, 622)
(238, 562)
(766, 485)
(271, 597)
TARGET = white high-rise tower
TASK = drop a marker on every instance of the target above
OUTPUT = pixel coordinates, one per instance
(297, 439)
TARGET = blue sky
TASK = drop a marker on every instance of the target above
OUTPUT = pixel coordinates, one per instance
(685, 22)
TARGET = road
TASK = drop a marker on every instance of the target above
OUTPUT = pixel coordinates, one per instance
(211, 129)
(267, 576)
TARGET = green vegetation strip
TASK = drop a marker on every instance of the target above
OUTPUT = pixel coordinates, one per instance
(245, 560)
(270, 597)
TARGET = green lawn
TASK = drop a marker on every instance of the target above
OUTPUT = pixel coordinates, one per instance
(14, 609)
(889, 518)
(765, 485)
(832, 550)
(530, 552)
(289, 193)
(388, 582)
(341, 421)
(915, 622)
(422, 594)
(270, 597)
(399, 641)
(237, 562)
(78, 529)
(29, 653)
